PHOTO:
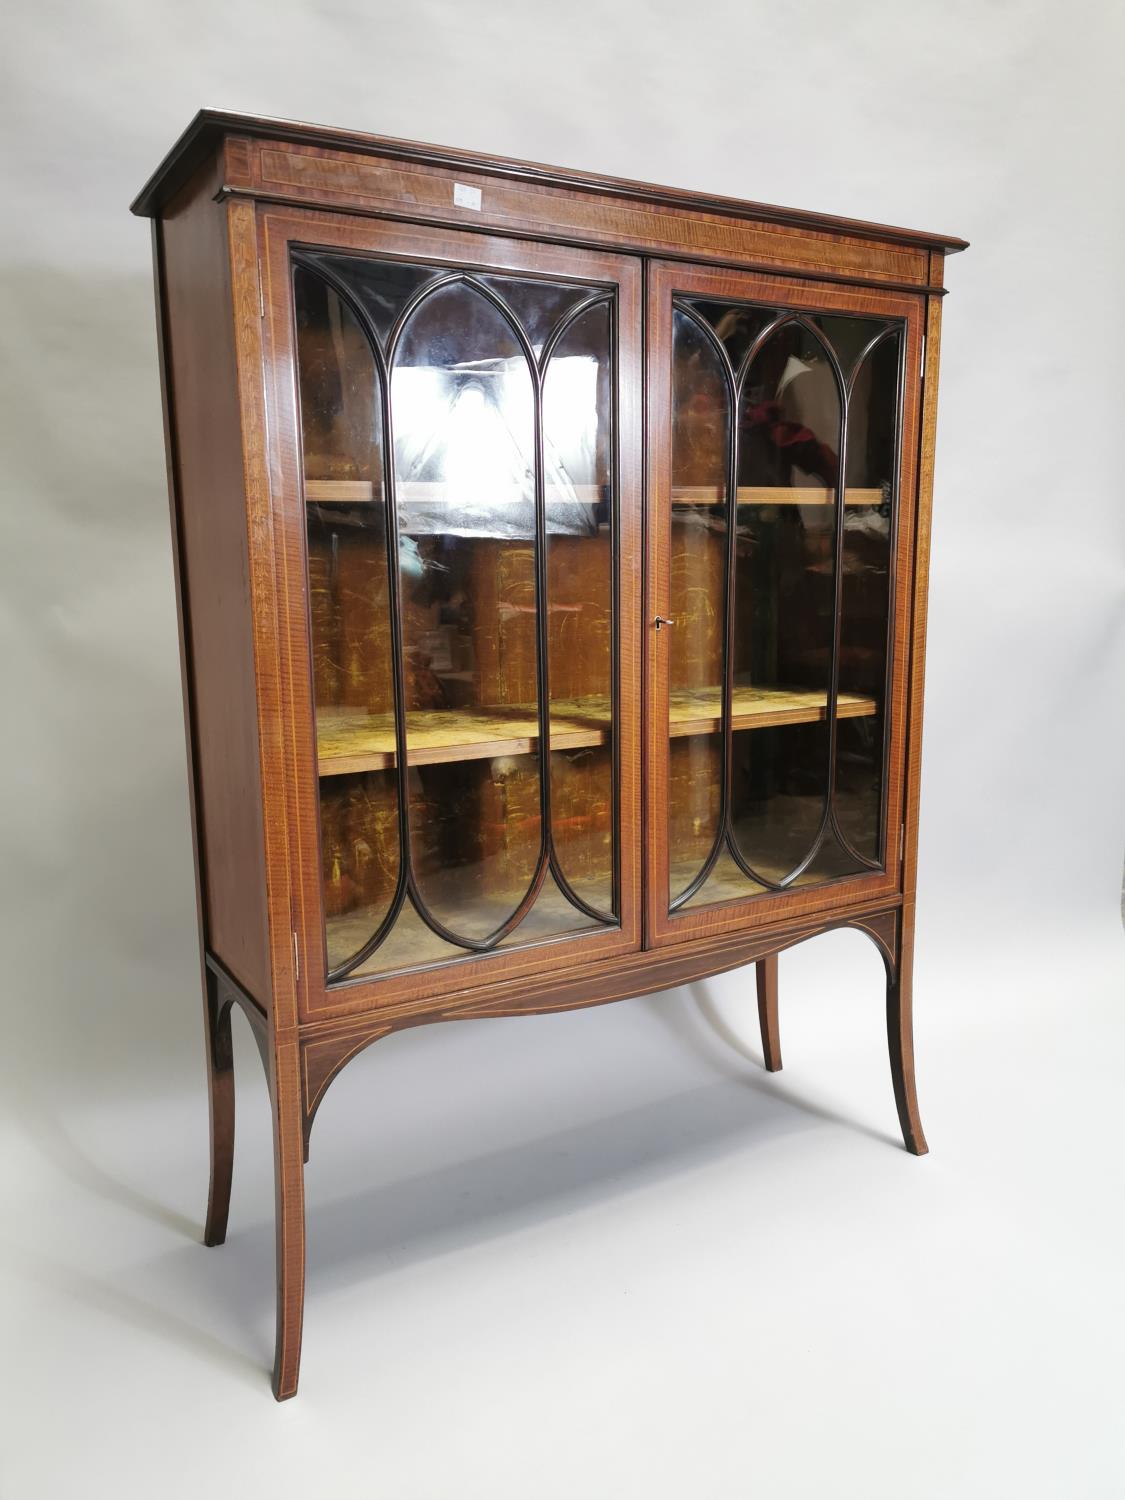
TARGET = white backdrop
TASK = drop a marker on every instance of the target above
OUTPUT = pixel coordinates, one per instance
(593, 1254)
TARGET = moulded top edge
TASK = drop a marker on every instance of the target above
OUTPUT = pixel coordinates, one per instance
(209, 127)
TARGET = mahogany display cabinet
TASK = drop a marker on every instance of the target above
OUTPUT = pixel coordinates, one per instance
(551, 556)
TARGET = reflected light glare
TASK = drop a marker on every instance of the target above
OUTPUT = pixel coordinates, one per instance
(471, 432)
(476, 442)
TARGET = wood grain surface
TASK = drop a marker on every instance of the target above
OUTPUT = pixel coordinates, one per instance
(232, 199)
(354, 741)
(211, 536)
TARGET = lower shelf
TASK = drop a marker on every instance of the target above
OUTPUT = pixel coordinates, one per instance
(411, 944)
(470, 902)
(775, 843)
(350, 741)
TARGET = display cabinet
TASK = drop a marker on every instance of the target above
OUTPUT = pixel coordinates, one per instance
(551, 560)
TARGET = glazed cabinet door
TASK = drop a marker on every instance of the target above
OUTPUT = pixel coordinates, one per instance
(782, 419)
(456, 507)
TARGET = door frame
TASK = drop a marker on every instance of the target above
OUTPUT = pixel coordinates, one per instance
(664, 280)
(288, 726)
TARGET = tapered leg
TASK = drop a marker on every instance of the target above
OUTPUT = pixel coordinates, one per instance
(220, 1094)
(900, 1036)
(289, 1177)
(766, 974)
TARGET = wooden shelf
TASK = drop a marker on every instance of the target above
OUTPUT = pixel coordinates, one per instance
(365, 742)
(712, 494)
(363, 492)
(698, 710)
(351, 740)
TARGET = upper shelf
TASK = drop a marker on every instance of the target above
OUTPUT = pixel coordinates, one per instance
(363, 492)
(351, 740)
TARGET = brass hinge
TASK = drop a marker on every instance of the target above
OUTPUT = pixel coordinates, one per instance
(922, 359)
(262, 313)
(296, 959)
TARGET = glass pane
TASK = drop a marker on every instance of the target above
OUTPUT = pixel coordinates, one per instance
(384, 287)
(464, 455)
(694, 787)
(342, 440)
(577, 441)
(411, 944)
(849, 337)
(360, 857)
(865, 611)
(785, 822)
(737, 325)
(697, 561)
(341, 422)
(539, 306)
(725, 882)
(462, 399)
(778, 794)
(789, 427)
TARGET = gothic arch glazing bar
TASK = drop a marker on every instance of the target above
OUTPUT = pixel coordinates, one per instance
(875, 400)
(800, 717)
(516, 792)
(806, 431)
(701, 458)
(580, 589)
(481, 414)
(353, 667)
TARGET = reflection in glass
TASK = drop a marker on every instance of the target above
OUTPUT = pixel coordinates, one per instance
(736, 325)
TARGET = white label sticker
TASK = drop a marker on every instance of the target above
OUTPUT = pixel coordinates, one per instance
(465, 196)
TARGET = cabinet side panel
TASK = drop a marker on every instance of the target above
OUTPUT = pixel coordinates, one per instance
(213, 564)
(921, 587)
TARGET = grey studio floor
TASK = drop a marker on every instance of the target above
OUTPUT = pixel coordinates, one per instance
(603, 1254)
